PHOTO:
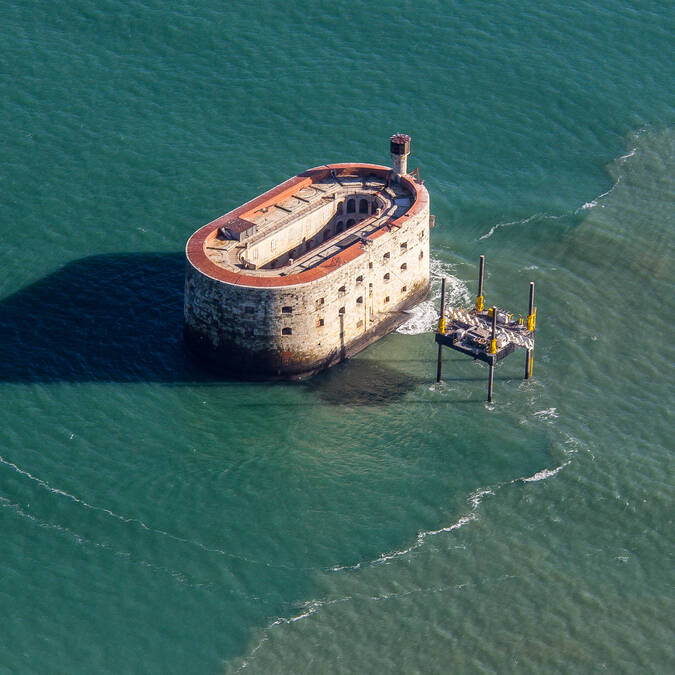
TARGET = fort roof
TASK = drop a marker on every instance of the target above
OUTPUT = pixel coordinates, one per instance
(223, 249)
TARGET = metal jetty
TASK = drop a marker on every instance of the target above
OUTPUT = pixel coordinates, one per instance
(486, 334)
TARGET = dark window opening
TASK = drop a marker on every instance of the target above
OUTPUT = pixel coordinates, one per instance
(287, 331)
(359, 299)
(404, 266)
(287, 310)
(341, 310)
(340, 208)
(320, 301)
(342, 290)
(351, 206)
(404, 289)
(359, 279)
(386, 299)
(421, 255)
(363, 206)
(386, 256)
(387, 276)
(319, 323)
(404, 246)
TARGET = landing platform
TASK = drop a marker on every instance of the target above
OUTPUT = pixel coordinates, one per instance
(470, 332)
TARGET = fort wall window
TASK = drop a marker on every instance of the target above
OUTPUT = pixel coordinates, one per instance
(404, 266)
(341, 310)
(351, 206)
(386, 257)
(359, 279)
(340, 208)
(404, 289)
(404, 246)
(359, 299)
(342, 290)
(287, 310)
(287, 331)
(386, 299)
(387, 276)
(319, 323)
(363, 206)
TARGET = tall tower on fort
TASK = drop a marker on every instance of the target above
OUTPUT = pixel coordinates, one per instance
(400, 149)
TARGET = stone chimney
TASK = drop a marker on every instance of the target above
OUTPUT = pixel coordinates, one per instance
(400, 149)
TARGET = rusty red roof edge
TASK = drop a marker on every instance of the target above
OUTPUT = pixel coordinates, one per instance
(199, 260)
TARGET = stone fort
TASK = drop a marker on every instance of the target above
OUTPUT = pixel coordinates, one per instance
(311, 272)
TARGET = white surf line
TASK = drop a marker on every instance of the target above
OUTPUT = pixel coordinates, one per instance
(475, 499)
(594, 202)
(542, 475)
(79, 539)
(522, 221)
(313, 606)
(44, 484)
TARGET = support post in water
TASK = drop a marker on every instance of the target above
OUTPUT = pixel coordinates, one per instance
(493, 351)
(474, 332)
(481, 275)
(441, 330)
(531, 321)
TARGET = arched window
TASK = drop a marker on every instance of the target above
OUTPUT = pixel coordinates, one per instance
(340, 208)
(351, 206)
(363, 206)
(387, 276)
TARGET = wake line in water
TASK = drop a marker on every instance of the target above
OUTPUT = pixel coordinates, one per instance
(312, 607)
(474, 499)
(79, 539)
(584, 207)
(45, 485)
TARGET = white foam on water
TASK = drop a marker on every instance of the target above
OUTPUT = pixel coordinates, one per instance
(594, 202)
(522, 221)
(424, 317)
(543, 474)
(549, 413)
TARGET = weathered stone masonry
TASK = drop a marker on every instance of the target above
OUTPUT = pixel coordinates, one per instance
(291, 321)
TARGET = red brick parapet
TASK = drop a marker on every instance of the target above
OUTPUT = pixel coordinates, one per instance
(199, 260)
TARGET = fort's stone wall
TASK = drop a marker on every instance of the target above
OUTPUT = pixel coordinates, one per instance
(292, 330)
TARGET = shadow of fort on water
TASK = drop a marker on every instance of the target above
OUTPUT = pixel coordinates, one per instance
(119, 318)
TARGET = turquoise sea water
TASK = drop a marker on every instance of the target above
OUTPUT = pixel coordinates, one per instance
(155, 519)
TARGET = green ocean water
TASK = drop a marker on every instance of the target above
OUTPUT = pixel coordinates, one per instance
(157, 519)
